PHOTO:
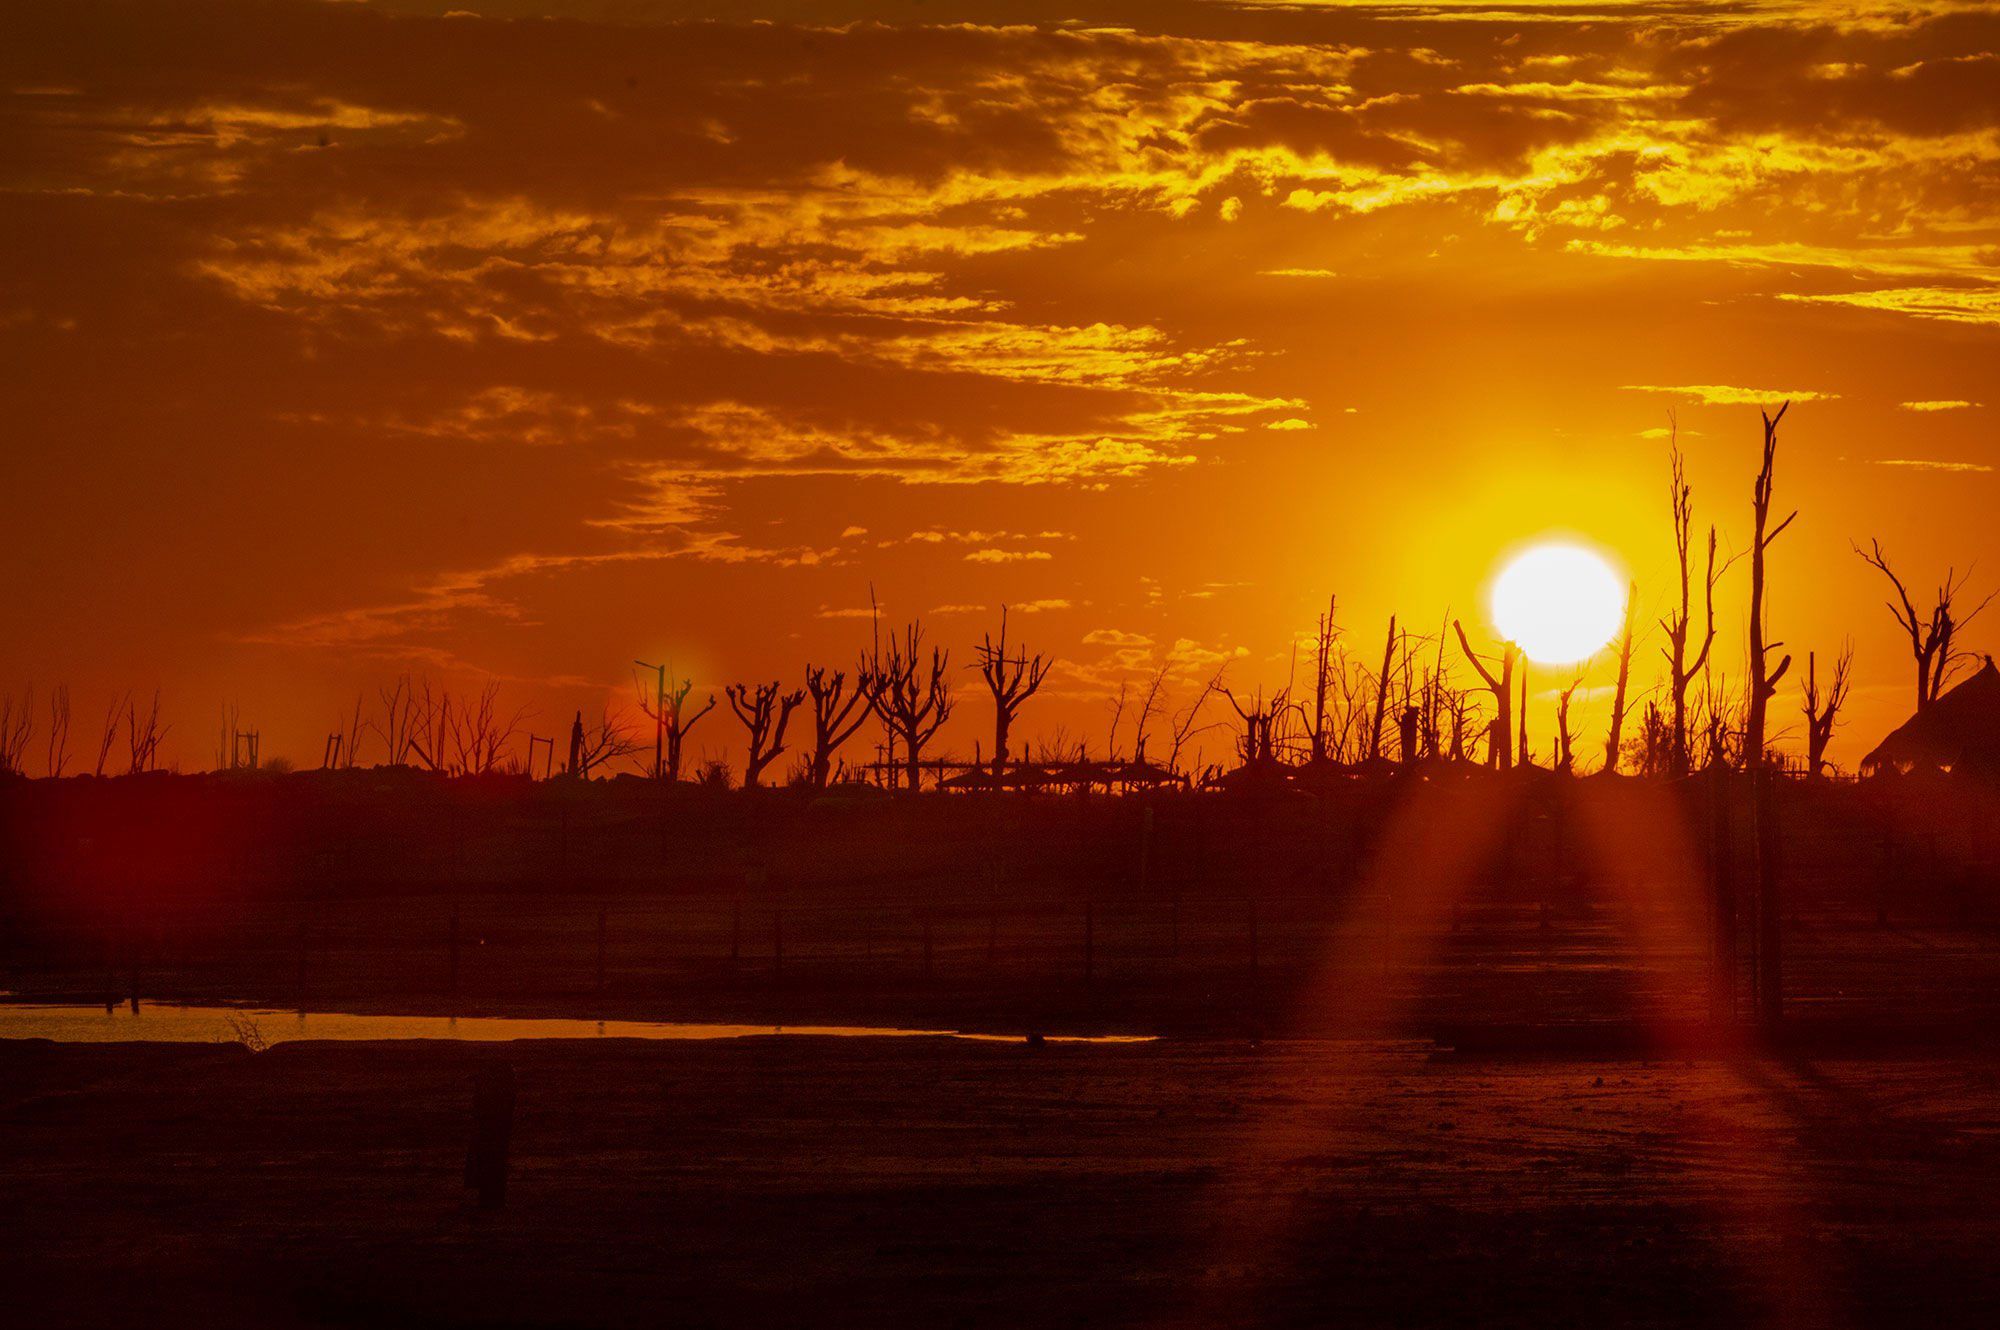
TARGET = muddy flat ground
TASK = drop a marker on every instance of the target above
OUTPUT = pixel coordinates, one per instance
(928, 1182)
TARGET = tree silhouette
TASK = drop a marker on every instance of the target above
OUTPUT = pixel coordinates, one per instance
(1012, 681)
(765, 713)
(58, 729)
(1618, 697)
(1823, 711)
(591, 746)
(1382, 682)
(1259, 722)
(912, 696)
(17, 726)
(671, 719)
(1931, 637)
(836, 715)
(1565, 737)
(1763, 682)
(1681, 670)
(1500, 735)
(143, 735)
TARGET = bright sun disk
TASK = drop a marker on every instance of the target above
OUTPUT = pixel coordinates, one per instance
(1559, 603)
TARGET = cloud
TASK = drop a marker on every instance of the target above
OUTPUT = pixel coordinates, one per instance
(1952, 405)
(1716, 394)
(1113, 637)
(1926, 464)
(995, 555)
(1289, 423)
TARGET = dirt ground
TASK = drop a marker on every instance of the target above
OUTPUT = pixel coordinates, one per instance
(926, 1182)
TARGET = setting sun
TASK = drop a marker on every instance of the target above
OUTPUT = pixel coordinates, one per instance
(1558, 602)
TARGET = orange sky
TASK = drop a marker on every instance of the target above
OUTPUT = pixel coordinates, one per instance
(343, 340)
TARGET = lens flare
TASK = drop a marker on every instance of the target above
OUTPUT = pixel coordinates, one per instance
(1560, 603)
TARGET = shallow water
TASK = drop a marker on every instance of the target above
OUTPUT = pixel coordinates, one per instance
(165, 1022)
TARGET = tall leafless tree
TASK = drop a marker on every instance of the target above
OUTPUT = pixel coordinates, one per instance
(1565, 737)
(836, 714)
(1618, 696)
(1259, 748)
(17, 726)
(1500, 738)
(143, 735)
(58, 730)
(913, 695)
(1326, 638)
(765, 710)
(1382, 686)
(1681, 667)
(1187, 721)
(113, 714)
(398, 724)
(1763, 682)
(1152, 704)
(1823, 709)
(1012, 680)
(1931, 636)
(481, 733)
(592, 746)
(672, 721)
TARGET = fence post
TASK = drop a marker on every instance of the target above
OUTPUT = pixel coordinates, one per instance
(735, 933)
(927, 944)
(777, 942)
(451, 980)
(1089, 942)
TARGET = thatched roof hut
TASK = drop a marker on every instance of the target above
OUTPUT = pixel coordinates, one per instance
(1958, 732)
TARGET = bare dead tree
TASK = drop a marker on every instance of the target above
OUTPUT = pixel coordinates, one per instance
(1013, 680)
(349, 732)
(1117, 708)
(1618, 696)
(143, 735)
(113, 714)
(1932, 637)
(399, 720)
(1500, 735)
(1565, 737)
(1259, 719)
(1152, 704)
(1382, 683)
(836, 715)
(1763, 682)
(480, 735)
(592, 746)
(433, 722)
(912, 696)
(17, 727)
(1681, 669)
(58, 730)
(765, 711)
(1187, 722)
(672, 721)
(1823, 709)
(1326, 638)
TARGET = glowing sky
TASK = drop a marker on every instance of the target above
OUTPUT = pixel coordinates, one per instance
(339, 340)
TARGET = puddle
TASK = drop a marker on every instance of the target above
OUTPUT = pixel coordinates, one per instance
(165, 1022)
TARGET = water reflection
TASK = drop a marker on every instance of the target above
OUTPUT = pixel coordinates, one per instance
(165, 1022)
